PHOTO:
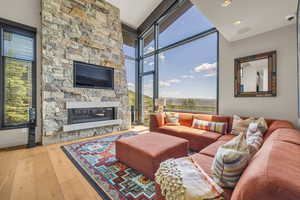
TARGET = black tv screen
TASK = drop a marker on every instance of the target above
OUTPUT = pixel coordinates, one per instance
(93, 76)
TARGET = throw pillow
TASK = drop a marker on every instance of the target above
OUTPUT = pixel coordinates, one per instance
(219, 127)
(230, 161)
(172, 119)
(239, 125)
(254, 137)
(262, 125)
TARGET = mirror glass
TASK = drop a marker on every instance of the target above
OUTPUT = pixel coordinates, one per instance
(254, 76)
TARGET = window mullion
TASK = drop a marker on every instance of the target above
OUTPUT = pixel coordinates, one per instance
(1, 79)
(155, 78)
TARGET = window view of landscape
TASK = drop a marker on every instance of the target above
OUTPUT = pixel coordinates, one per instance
(147, 98)
(187, 73)
(18, 52)
(187, 76)
(130, 70)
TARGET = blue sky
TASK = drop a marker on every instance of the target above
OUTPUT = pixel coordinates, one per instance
(187, 71)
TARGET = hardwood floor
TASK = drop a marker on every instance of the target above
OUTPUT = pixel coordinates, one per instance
(42, 173)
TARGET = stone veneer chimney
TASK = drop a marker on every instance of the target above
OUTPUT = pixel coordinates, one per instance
(88, 31)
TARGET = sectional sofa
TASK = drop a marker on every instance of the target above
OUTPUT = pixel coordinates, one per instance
(274, 171)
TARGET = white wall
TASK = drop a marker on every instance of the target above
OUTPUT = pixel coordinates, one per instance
(284, 106)
(25, 12)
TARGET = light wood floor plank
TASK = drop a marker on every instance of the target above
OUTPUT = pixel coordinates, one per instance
(73, 184)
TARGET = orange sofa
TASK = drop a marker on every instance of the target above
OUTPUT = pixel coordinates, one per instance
(275, 168)
(199, 139)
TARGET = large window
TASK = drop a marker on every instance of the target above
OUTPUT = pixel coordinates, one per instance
(17, 71)
(190, 23)
(179, 58)
(130, 63)
(187, 76)
(147, 97)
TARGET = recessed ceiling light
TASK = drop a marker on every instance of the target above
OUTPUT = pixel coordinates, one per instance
(226, 3)
(237, 22)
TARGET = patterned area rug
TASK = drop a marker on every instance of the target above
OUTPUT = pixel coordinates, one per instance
(95, 159)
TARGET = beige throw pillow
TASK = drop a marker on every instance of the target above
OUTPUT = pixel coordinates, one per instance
(172, 119)
(239, 125)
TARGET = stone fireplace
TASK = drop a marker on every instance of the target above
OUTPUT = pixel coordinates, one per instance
(87, 31)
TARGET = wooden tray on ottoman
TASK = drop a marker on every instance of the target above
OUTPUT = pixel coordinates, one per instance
(146, 151)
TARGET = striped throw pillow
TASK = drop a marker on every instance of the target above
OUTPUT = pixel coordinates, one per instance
(230, 161)
(219, 127)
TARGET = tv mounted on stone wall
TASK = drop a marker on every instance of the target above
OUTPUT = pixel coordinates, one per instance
(93, 76)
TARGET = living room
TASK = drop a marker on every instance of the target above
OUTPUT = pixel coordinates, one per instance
(100, 98)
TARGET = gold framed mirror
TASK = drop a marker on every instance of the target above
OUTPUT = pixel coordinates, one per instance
(255, 76)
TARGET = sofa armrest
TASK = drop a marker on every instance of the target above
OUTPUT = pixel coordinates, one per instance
(277, 125)
(156, 120)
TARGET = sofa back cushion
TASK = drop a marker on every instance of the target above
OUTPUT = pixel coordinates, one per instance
(186, 119)
(275, 169)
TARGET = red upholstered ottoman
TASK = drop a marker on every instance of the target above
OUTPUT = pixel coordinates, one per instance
(146, 151)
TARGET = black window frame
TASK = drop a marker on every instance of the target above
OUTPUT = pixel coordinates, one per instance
(173, 8)
(27, 31)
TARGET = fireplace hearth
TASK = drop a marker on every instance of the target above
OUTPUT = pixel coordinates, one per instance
(85, 115)
(90, 115)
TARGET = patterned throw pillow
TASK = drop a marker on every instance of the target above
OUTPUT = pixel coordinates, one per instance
(254, 137)
(230, 161)
(172, 119)
(255, 134)
(219, 127)
(239, 125)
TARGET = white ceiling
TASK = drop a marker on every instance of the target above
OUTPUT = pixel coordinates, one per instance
(134, 12)
(257, 16)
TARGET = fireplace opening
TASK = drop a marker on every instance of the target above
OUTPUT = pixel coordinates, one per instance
(85, 115)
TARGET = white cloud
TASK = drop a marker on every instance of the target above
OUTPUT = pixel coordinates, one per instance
(187, 76)
(150, 49)
(164, 84)
(210, 74)
(207, 68)
(169, 83)
(174, 81)
(162, 56)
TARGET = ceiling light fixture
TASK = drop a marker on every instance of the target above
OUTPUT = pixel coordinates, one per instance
(237, 22)
(226, 3)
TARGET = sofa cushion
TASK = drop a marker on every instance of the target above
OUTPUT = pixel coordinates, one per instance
(186, 119)
(198, 139)
(275, 170)
(227, 137)
(212, 149)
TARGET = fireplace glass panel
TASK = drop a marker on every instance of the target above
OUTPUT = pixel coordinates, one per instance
(85, 115)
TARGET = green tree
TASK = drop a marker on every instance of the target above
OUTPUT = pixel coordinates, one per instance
(188, 104)
(17, 90)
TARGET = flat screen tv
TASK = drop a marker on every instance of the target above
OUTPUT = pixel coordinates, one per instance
(93, 76)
